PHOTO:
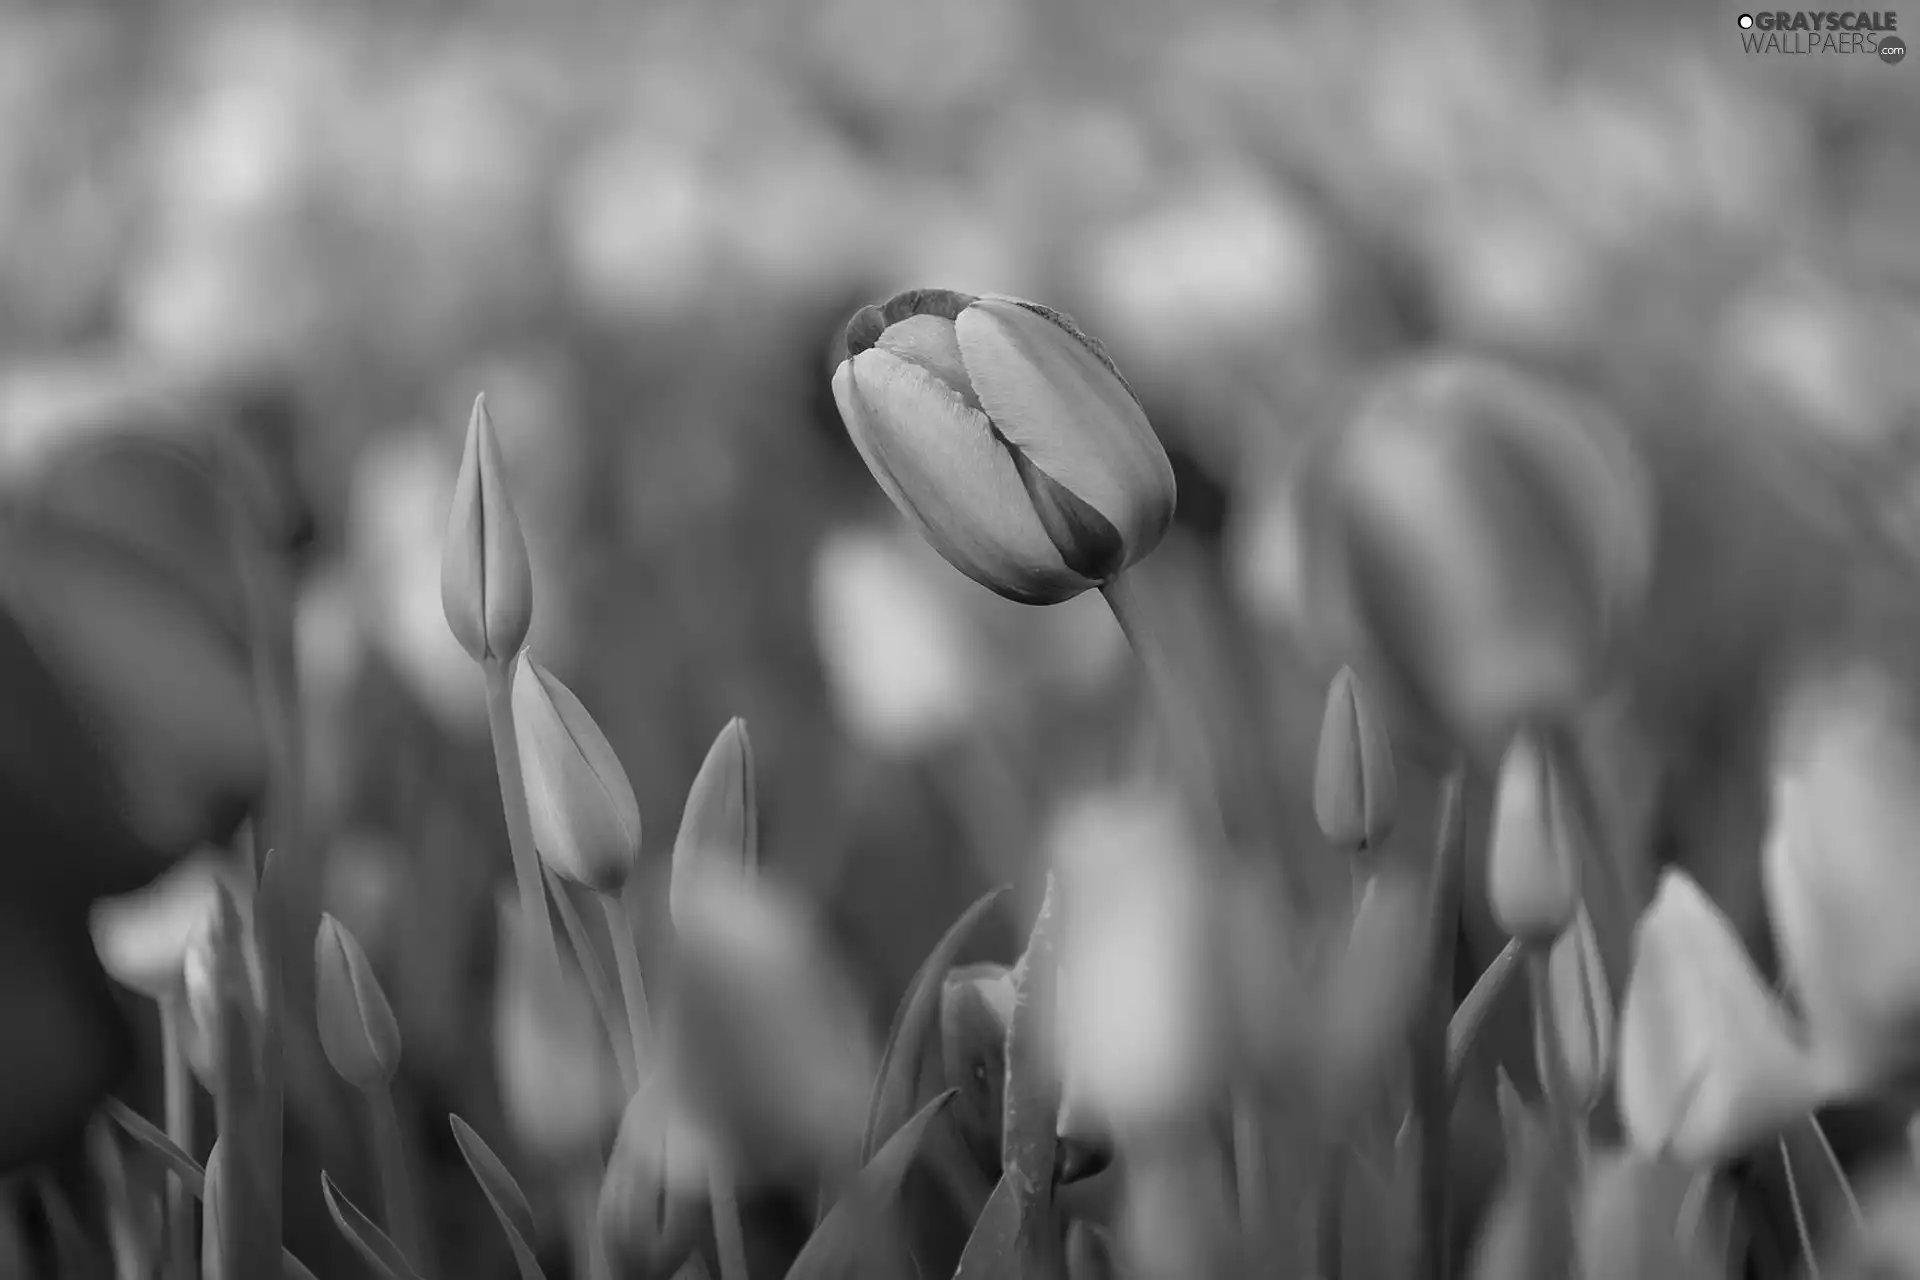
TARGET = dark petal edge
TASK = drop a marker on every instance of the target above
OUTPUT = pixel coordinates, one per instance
(1094, 346)
(1086, 540)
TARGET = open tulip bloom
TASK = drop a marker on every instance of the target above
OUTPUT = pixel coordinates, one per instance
(1009, 437)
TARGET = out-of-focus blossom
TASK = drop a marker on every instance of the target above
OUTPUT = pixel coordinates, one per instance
(1355, 788)
(801, 215)
(1709, 1061)
(1008, 437)
(1138, 1041)
(643, 221)
(1632, 1221)
(1267, 558)
(1533, 863)
(1835, 357)
(559, 1084)
(397, 523)
(769, 1050)
(1073, 648)
(653, 1198)
(143, 936)
(1480, 537)
(919, 59)
(486, 581)
(362, 887)
(1225, 263)
(586, 821)
(1842, 882)
(1512, 273)
(942, 232)
(900, 658)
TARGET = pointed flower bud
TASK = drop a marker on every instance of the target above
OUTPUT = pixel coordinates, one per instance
(1482, 536)
(1355, 792)
(1008, 436)
(1533, 864)
(586, 822)
(1841, 878)
(1633, 1221)
(222, 978)
(650, 1208)
(720, 826)
(357, 1030)
(486, 580)
(976, 1012)
(1583, 1014)
(1709, 1062)
(143, 937)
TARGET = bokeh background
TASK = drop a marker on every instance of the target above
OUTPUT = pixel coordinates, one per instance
(639, 228)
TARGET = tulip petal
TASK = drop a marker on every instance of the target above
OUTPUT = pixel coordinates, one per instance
(1065, 408)
(1709, 1062)
(585, 817)
(940, 464)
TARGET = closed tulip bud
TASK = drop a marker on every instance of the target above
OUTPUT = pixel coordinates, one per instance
(586, 822)
(1632, 1222)
(1533, 864)
(720, 826)
(1355, 793)
(222, 977)
(486, 580)
(143, 936)
(1841, 879)
(650, 1211)
(357, 1030)
(1008, 437)
(1529, 1231)
(976, 1010)
(1482, 537)
(1583, 1015)
(1709, 1062)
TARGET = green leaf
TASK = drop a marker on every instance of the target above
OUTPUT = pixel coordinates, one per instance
(192, 1175)
(843, 1246)
(159, 1144)
(992, 1251)
(1463, 1032)
(503, 1193)
(896, 1084)
(368, 1240)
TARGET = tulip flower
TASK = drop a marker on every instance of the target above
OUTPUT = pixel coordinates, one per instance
(586, 822)
(143, 937)
(1709, 1060)
(1482, 538)
(1355, 792)
(720, 825)
(1842, 882)
(1008, 436)
(650, 1211)
(357, 1029)
(486, 580)
(1533, 864)
(1583, 1013)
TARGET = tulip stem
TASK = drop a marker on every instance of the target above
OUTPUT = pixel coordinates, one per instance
(619, 1035)
(1179, 716)
(395, 1186)
(513, 799)
(626, 954)
(729, 1243)
(177, 1085)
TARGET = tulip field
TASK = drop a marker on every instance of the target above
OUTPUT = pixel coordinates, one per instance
(1020, 640)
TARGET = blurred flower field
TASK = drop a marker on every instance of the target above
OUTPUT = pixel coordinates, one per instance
(641, 232)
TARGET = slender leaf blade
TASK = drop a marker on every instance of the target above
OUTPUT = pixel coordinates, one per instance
(503, 1193)
(842, 1247)
(993, 1250)
(367, 1239)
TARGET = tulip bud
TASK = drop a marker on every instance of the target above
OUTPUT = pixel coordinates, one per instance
(486, 581)
(720, 826)
(213, 986)
(976, 1010)
(1008, 436)
(586, 822)
(357, 1030)
(1583, 1014)
(1632, 1222)
(1709, 1062)
(1533, 864)
(213, 1200)
(1840, 874)
(1355, 793)
(649, 1214)
(1483, 536)
(143, 936)
(1529, 1231)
